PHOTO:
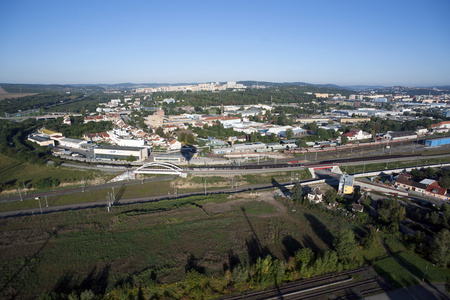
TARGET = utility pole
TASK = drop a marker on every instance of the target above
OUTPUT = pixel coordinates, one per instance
(205, 187)
(46, 202)
(39, 199)
(20, 194)
(113, 198)
(82, 184)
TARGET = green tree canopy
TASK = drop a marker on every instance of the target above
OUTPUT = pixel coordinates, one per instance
(345, 244)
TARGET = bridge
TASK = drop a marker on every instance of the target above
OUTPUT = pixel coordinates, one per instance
(160, 168)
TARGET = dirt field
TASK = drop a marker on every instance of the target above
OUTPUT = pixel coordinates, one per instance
(4, 94)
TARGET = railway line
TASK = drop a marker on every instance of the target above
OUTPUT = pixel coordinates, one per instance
(299, 163)
(342, 284)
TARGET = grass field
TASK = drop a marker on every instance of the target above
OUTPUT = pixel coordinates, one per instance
(414, 263)
(14, 174)
(93, 249)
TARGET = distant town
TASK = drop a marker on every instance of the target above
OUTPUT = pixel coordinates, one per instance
(344, 118)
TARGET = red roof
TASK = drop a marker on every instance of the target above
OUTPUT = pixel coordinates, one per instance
(436, 189)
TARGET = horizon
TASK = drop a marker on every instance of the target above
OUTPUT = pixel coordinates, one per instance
(370, 44)
(261, 81)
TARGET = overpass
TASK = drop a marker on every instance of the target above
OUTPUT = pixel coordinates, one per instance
(160, 168)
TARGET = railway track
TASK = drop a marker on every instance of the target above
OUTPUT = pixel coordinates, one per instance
(313, 287)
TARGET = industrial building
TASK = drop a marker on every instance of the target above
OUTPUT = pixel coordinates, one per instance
(240, 148)
(41, 140)
(437, 142)
(72, 143)
(110, 152)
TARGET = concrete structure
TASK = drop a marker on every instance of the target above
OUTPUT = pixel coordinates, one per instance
(117, 152)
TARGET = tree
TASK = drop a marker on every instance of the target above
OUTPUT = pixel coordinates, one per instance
(289, 133)
(370, 239)
(444, 181)
(345, 244)
(344, 140)
(330, 196)
(440, 248)
(297, 192)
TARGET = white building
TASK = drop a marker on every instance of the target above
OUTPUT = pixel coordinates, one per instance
(400, 135)
(117, 152)
(72, 143)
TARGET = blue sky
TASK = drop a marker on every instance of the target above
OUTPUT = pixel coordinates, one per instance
(342, 42)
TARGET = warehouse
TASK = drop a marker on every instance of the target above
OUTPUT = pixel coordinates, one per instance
(117, 152)
(437, 142)
(72, 143)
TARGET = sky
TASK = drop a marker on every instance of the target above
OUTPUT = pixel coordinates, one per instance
(346, 42)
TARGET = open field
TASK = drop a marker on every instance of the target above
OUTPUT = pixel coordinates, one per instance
(5, 95)
(160, 241)
(14, 174)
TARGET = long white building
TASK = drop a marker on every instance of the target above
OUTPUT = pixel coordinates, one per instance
(109, 152)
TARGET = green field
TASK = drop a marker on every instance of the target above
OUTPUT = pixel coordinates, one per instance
(15, 174)
(414, 263)
(94, 249)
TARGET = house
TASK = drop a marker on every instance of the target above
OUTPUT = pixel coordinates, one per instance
(441, 127)
(357, 134)
(173, 144)
(421, 131)
(405, 182)
(96, 137)
(434, 190)
(315, 196)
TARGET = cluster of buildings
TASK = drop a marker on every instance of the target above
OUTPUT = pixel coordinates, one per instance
(212, 86)
(427, 187)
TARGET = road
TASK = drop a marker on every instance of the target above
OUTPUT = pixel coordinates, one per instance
(77, 206)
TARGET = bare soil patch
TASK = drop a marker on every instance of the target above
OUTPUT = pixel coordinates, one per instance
(268, 197)
(5, 95)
